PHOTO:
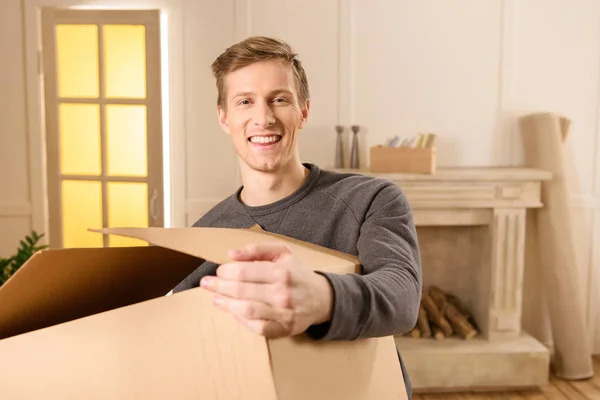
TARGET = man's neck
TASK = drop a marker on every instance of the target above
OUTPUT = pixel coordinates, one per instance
(262, 188)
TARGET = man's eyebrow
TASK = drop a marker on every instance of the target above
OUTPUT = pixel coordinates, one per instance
(246, 94)
(242, 94)
(281, 91)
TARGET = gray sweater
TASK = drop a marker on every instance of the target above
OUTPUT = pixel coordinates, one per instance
(359, 215)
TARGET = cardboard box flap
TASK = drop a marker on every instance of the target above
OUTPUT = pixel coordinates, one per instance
(172, 346)
(212, 244)
(56, 286)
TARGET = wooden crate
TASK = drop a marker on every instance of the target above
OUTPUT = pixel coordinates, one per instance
(402, 160)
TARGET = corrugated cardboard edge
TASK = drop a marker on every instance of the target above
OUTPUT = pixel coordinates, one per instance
(60, 285)
(30, 260)
(323, 249)
(206, 253)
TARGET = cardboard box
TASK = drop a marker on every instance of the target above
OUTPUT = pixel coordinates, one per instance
(407, 160)
(96, 324)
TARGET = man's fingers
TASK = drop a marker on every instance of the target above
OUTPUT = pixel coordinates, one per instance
(237, 290)
(257, 271)
(260, 252)
(257, 313)
(275, 295)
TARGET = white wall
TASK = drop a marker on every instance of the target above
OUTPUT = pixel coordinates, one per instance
(463, 69)
(432, 66)
(15, 206)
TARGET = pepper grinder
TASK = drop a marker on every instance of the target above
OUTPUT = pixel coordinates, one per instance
(354, 157)
(339, 149)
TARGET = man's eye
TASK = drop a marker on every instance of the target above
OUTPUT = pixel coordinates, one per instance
(244, 102)
(280, 100)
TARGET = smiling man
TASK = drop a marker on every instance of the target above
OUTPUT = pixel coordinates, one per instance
(263, 103)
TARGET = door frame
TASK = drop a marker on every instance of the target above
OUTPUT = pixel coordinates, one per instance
(172, 102)
(150, 20)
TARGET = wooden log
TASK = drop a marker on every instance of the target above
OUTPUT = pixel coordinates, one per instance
(415, 333)
(423, 323)
(459, 322)
(438, 334)
(439, 297)
(452, 299)
(435, 316)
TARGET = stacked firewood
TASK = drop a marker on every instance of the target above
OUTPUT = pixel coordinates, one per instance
(442, 315)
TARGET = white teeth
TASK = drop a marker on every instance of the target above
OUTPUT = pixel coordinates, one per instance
(264, 139)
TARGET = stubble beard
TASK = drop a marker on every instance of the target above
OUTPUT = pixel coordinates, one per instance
(269, 166)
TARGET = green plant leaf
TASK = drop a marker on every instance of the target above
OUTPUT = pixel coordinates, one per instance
(26, 249)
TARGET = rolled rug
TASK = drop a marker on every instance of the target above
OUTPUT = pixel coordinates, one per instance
(543, 136)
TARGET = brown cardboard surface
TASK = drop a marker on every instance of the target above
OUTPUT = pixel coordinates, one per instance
(337, 370)
(174, 347)
(56, 286)
(213, 244)
(109, 331)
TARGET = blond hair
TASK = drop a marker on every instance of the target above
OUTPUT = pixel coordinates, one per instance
(255, 49)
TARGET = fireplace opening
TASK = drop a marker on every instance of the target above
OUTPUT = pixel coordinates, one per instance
(456, 285)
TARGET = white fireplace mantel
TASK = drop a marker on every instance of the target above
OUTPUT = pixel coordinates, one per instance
(467, 196)
(493, 201)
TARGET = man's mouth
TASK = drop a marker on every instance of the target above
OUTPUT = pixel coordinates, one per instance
(265, 139)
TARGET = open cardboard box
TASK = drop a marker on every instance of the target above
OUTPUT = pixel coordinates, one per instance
(96, 324)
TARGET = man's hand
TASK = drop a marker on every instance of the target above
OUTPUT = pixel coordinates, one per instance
(270, 291)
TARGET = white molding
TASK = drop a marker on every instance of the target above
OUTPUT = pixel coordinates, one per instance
(173, 10)
(507, 81)
(15, 209)
(346, 95)
(35, 131)
(345, 112)
(242, 16)
(173, 101)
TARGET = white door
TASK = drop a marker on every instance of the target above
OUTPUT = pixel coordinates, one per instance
(102, 103)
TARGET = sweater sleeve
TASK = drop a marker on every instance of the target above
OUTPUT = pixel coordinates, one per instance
(384, 299)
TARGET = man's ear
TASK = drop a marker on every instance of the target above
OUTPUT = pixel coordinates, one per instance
(304, 112)
(223, 119)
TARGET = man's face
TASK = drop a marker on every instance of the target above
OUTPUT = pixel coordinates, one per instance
(263, 116)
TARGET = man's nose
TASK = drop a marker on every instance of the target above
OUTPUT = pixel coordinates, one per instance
(263, 115)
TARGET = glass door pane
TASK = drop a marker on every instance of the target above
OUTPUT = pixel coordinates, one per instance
(81, 209)
(77, 61)
(126, 137)
(125, 61)
(79, 136)
(127, 207)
